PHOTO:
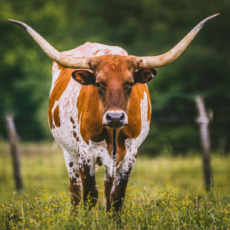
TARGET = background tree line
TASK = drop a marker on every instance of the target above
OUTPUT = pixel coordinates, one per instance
(144, 27)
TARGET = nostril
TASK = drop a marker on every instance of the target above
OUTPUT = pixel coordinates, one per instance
(108, 117)
(122, 118)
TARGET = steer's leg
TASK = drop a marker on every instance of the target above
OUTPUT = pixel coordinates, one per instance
(74, 175)
(108, 182)
(87, 172)
(120, 181)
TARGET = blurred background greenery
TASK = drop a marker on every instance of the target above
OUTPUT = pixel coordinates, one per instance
(144, 27)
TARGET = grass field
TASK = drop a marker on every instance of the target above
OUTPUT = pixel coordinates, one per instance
(163, 193)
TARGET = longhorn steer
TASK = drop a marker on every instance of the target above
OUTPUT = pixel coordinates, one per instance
(101, 110)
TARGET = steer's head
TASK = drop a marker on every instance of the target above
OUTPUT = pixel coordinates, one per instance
(114, 77)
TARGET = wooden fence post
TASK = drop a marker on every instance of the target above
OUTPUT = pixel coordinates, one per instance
(203, 121)
(14, 150)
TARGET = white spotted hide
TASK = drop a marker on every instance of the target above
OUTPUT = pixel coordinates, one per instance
(78, 151)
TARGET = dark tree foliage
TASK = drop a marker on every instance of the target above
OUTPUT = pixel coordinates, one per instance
(142, 28)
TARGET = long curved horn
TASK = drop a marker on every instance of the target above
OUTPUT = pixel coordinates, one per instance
(175, 52)
(55, 55)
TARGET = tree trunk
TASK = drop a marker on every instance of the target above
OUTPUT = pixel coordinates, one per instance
(203, 121)
(14, 150)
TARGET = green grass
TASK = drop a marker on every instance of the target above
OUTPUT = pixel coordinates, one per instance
(163, 193)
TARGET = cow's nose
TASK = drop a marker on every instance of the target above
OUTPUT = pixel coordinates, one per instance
(115, 117)
(115, 120)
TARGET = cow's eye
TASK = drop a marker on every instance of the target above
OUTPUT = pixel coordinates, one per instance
(98, 84)
(131, 84)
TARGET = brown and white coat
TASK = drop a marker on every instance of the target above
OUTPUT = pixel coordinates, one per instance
(107, 92)
(76, 124)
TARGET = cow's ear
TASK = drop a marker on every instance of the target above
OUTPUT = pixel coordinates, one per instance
(84, 77)
(144, 75)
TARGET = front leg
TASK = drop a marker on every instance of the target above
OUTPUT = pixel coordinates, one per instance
(108, 182)
(72, 166)
(120, 181)
(87, 173)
